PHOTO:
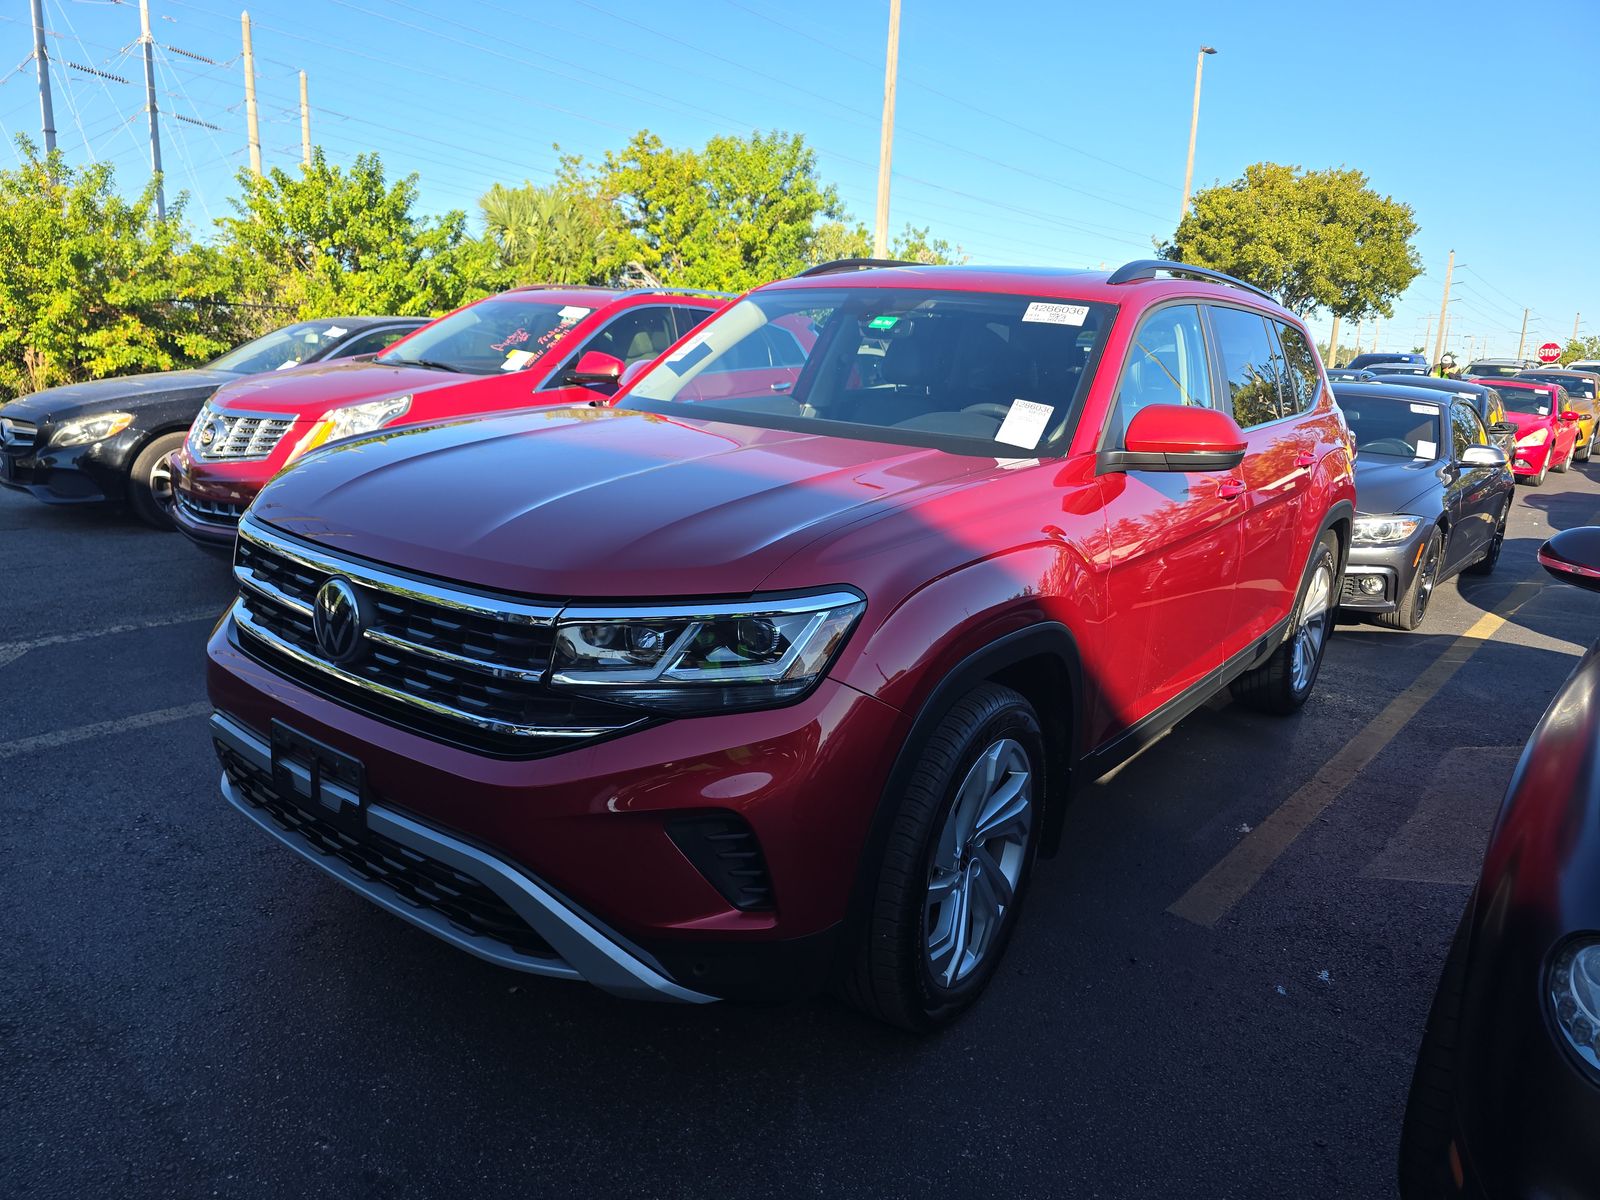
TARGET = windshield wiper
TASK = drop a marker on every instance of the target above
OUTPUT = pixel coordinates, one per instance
(429, 363)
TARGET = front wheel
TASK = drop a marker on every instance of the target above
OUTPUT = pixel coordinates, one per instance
(958, 857)
(1566, 462)
(1413, 604)
(1283, 683)
(150, 481)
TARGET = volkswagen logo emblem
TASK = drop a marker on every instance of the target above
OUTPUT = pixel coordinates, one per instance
(337, 620)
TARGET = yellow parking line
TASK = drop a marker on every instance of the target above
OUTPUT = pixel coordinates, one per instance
(1209, 900)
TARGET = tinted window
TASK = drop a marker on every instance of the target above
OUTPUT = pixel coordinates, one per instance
(1536, 401)
(1465, 430)
(639, 333)
(1576, 385)
(1491, 370)
(1304, 383)
(1249, 363)
(1497, 409)
(688, 319)
(1392, 428)
(1166, 365)
(371, 343)
(494, 335)
(282, 348)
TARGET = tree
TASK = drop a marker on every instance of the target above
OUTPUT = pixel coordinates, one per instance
(838, 239)
(566, 232)
(740, 212)
(333, 243)
(93, 285)
(1585, 348)
(1315, 239)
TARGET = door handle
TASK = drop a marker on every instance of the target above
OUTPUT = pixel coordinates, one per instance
(1305, 459)
(783, 386)
(1230, 489)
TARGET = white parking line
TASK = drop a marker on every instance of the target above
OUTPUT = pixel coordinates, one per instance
(11, 651)
(84, 733)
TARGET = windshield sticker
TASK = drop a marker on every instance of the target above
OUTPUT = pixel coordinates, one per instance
(516, 359)
(689, 358)
(335, 331)
(1544, 410)
(1428, 410)
(286, 364)
(1427, 449)
(512, 339)
(1024, 424)
(883, 322)
(1056, 314)
(573, 312)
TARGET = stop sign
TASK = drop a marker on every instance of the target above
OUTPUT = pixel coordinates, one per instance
(1549, 352)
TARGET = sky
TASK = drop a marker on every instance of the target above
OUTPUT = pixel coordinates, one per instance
(1029, 132)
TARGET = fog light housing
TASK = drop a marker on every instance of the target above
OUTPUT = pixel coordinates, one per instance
(1575, 997)
(1371, 585)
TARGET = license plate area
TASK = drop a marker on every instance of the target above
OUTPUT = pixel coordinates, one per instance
(326, 781)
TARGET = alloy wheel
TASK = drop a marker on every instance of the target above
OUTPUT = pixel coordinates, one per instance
(1316, 615)
(161, 480)
(1430, 569)
(978, 860)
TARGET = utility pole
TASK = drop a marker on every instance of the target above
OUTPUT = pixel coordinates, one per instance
(149, 44)
(1333, 344)
(1444, 309)
(891, 70)
(41, 61)
(250, 97)
(305, 124)
(1194, 126)
(1522, 342)
(1377, 324)
(1359, 324)
(1427, 331)
(1575, 317)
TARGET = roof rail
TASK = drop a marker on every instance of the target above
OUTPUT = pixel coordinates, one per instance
(1149, 268)
(854, 264)
(674, 291)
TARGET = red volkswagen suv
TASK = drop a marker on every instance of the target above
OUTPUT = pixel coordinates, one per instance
(533, 345)
(728, 691)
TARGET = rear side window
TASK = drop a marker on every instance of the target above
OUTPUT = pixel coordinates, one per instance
(689, 318)
(371, 343)
(1167, 365)
(1300, 365)
(1249, 355)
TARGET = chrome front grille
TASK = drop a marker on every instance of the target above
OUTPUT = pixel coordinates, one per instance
(219, 512)
(221, 436)
(459, 665)
(17, 436)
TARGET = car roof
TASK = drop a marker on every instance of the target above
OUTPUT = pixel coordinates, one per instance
(1523, 383)
(1431, 383)
(1065, 283)
(1391, 391)
(596, 297)
(1565, 371)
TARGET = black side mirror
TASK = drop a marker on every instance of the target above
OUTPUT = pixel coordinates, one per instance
(1502, 427)
(1573, 556)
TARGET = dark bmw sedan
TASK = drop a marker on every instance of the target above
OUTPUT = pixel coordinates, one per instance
(109, 439)
(1491, 408)
(1506, 1096)
(1432, 497)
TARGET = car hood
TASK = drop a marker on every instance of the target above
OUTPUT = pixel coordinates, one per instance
(1393, 485)
(1528, 421)
(310, 391)
(126, 393)
(599, 503)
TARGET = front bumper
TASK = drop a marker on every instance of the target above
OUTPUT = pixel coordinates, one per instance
(209, 499)
(1391, 567)
(1530, 460)
(91, 474)
(589, 826)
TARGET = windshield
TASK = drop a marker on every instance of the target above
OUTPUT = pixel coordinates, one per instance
(975, 373)
(1495, 370)
(1535, 401)
(1392, 428)
(1576, 385)
(282, 348)
(499, 334)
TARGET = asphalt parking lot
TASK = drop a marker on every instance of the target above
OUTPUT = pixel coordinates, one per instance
(1217, 988)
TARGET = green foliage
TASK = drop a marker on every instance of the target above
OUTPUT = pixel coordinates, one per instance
(329, 242)
(1581, 348)
(1315, 239)
(836, 239)
(564, 233)
(94, 285)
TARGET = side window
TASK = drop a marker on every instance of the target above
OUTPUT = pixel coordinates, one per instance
(1247, 353)
(1167, 365)
(1303, 381)
(639, 333)
(1465, 430)
(1497, 408)
(371, 343)
(688, 318)
(783, 347)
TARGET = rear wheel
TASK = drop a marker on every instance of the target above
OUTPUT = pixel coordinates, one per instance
(956, 864)
(1486, 564)
(150, 481)
(1413, 605)
(1426, 1133)
(1283, 683)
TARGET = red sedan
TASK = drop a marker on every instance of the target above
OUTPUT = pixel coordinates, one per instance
(1547, 431)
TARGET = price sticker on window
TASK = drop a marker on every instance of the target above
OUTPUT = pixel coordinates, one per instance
(1024, 424)
(1056, 314)
(516, 360)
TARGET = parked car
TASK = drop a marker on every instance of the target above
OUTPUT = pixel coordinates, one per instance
(533, 345)
(729, 697)
(1582, 388)
(1505, 1100)
(108, 440)
(1492, 369)
(1547, 429)
(1432, 498)
(1484, 399)
(1347, 375)
(1402, 368)
(1389, 360)
(1592, 365)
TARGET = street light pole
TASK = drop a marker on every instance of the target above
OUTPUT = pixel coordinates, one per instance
(1194, 126)
(891, 72)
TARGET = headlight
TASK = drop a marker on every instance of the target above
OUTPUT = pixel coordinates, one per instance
(1384, 531)
(349, 421)
(91, 429)
(1537, 438)
(1575, 997)
(703, 658)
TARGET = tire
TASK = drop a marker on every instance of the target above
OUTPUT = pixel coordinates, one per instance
(1426, 1132)
(1284, 682)
(896, 973)
(1567, 461)
(1588, 447)
(1538, 480)
(150, 484)
(1413, 605)
(1491, 556)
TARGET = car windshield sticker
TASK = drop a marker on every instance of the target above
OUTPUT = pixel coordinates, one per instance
(515, 338)
(286, 364)
(335, 331)
(1426, 410)
(516, 359)
(1024, 423)
(1426, 449)
(1544, 410)
(1056, 314)
(573, 312)
(883, 322)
